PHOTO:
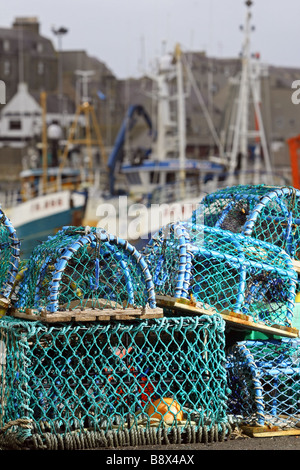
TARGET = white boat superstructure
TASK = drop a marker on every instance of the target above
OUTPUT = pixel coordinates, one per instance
(52, 190)
(241, 134)
(162, 182)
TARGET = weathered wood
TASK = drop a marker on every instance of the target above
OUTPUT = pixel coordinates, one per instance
(237, 320)
(296, 265)
(266, 431)
(92, 303)
(91, 315)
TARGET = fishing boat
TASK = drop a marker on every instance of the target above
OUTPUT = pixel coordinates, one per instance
(51, 195)
(43, 215)
(162, 183)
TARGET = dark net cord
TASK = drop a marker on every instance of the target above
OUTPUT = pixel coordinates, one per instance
(15, 436)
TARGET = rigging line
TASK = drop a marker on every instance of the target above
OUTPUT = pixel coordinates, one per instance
(204, 108)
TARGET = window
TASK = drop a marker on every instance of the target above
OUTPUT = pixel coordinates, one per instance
(134, 178)
(6, 45)
(6, 70)
(171, 177)
(279, 122)
(40, 68)
(15, 125)
(39, 47)
(154, 177)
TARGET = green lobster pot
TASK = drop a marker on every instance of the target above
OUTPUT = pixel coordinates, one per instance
(10, 259)
(215, 270)
(263, 376)
(88, 385)
(267, 213)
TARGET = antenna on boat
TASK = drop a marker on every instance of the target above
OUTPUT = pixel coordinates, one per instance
(248, 85)
(205, 110)
(86, 108)
(84, 77)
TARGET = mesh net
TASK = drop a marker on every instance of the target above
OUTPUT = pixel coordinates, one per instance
(80, 268)
(263, 377)
(268, 213)
(223, 271)
(156, 381)
(118, 383)
(9, 258)
(167, 255)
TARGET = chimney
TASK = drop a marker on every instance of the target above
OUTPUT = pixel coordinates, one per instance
(27, 23)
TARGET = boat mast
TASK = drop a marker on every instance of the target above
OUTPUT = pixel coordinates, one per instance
(181, 119)
(248, 85)
(171, 132)
(43, 98)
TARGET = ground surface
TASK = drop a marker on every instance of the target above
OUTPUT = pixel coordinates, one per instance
(237, 441)
(266, 443)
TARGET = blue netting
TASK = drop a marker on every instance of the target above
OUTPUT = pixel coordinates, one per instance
(9, 258)
(222, 271)
(91, 385)
(268, 213)
(264, 378)
(82, 268)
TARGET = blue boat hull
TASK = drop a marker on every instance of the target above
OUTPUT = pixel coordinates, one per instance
(33, 233)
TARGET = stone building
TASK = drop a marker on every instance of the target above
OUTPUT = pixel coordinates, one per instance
(29, 65)
(28, 57)
(216, 79)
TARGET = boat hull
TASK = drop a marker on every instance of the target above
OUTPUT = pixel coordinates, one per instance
(43, 216)
(136, 222)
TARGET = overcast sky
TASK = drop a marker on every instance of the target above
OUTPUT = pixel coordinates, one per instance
(128, 35)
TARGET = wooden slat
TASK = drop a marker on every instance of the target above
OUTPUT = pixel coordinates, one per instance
(90, 315)
(265, 431)
(296, 265)
(98, 304)
(237, 320)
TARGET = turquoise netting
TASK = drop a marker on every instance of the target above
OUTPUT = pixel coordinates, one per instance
(86, 382)
(9, 259)
(268, 213)
(264, 379)
(73, 386)
(222, 271)
(83, 268)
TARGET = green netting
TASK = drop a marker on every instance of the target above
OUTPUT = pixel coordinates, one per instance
(264, 379)
(9, 259)
(85, 385)
(268, 213)
(168, 257)
(82, 268)
(223, 271)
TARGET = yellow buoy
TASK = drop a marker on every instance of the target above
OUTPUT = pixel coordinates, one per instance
(165, 408)
(4, 304)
